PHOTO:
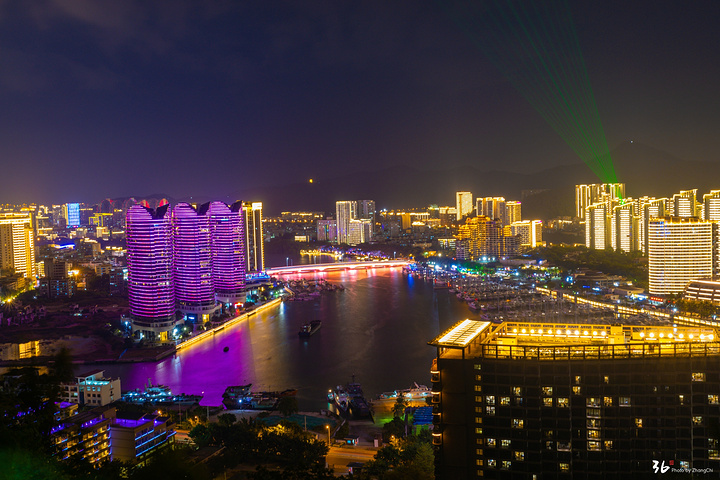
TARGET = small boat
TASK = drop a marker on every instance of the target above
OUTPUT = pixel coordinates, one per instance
(309, 329)
(226, 349)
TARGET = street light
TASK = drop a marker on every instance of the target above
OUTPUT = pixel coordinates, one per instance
(327, 427)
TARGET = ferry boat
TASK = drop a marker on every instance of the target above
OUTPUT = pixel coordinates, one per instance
(340, 398)
(309, 329)
(416, 392)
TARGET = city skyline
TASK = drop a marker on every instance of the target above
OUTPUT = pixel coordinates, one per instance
(101, 96)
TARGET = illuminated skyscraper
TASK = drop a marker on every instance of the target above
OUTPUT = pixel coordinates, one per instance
(680, 249)
(512, 212)
(684, 203)
(327, 230)
(360, 231)
(481, 237)
(649, 208)
(72, 214)
(17, 244)
(254, 239)
(344, 211)
(463, 204)
(624, 227)
(192, 270)
(227, 246)
(586, 195)
(150, 271)
(491, 207)
(597, 226)
(530, 232)
(557, 400)
(711, 205)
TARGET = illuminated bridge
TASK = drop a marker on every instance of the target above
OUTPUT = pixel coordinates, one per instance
(330, 267)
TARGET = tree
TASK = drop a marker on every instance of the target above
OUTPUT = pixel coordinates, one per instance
(226, 419)
(399, 406)
(393, 428)
(200, 434)
(287, 405)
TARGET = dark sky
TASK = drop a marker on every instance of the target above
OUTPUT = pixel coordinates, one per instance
(104, 98)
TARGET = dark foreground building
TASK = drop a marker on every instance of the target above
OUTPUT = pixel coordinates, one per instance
(540, 400)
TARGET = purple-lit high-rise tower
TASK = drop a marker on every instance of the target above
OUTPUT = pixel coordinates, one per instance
(150, 262)
(227, 233)
(192, 272)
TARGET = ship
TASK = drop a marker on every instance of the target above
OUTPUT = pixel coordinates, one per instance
(240, 397)
(159, 395)
(309, 329)
(416, 392)
(350, 400)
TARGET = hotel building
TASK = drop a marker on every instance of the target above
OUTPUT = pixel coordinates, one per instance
(680, 249)
(513, 212)
(586, 195)
(543, 400)
(492, 207)
(150, 271)
(711, 205)
(227, 248)
(530, 232)
(91, 388)
(254, 240)
(344, 212)
(192, 258)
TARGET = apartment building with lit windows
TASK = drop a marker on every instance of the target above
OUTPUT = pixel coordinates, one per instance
(543, 400)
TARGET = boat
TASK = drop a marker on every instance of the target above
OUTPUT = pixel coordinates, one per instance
(226, 349)
(350, 400)
(240, 397)
(309, 329)
(158, 395)
(340, 398)
(416, 392)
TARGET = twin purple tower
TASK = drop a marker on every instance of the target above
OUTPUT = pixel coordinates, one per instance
(188, 259)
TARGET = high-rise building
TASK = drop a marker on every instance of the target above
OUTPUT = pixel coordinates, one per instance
(680, 249)
(597, 226)
(327, 230)
(586, 195)
(150, 271)
(519, 400)
(72, 215)
(481, 237)
(649, 208)
(254, 240)
(360, 231)
(463, 204)
(512, 212)
(17, 244)
(711, 205)
(344, 212)
(447, 215)
(227, 247)
(624, 227)
(684, 204)
(192, 269)
(492, 207)
(530, 232)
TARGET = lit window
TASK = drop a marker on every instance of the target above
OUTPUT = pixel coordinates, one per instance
(479, 441)
(477, 366)
(478, 378)
(681, 399)
(713, 399)
(491, 442)
(490, 410)
(518, 423)
(549, 445)
(564, 467)
(698, 377)
(593, 423)
(577, 390)
(577, 379)
(592, 402)
(478, 398)
(608, 444)
(624, 401)
(490, 399)
(478, 388)
(697, 420)
(517, 390)
(549, 434)
(547, 401)
(478, 430)
(505, 443)
(478, 409)
(547, 390)
(519, 456)
(638, 422)
(504, 400)
(563, 402)
(684, 464)
(607, 401)
(478, 461)
(506, 464)
(491, 462)
(593, 445)
(478, 419)
(714, 454)
(607, 379)
(593, 434)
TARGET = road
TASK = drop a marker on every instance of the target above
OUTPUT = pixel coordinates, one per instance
(340, 456)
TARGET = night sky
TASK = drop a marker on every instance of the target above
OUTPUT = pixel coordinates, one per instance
(107, 98)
